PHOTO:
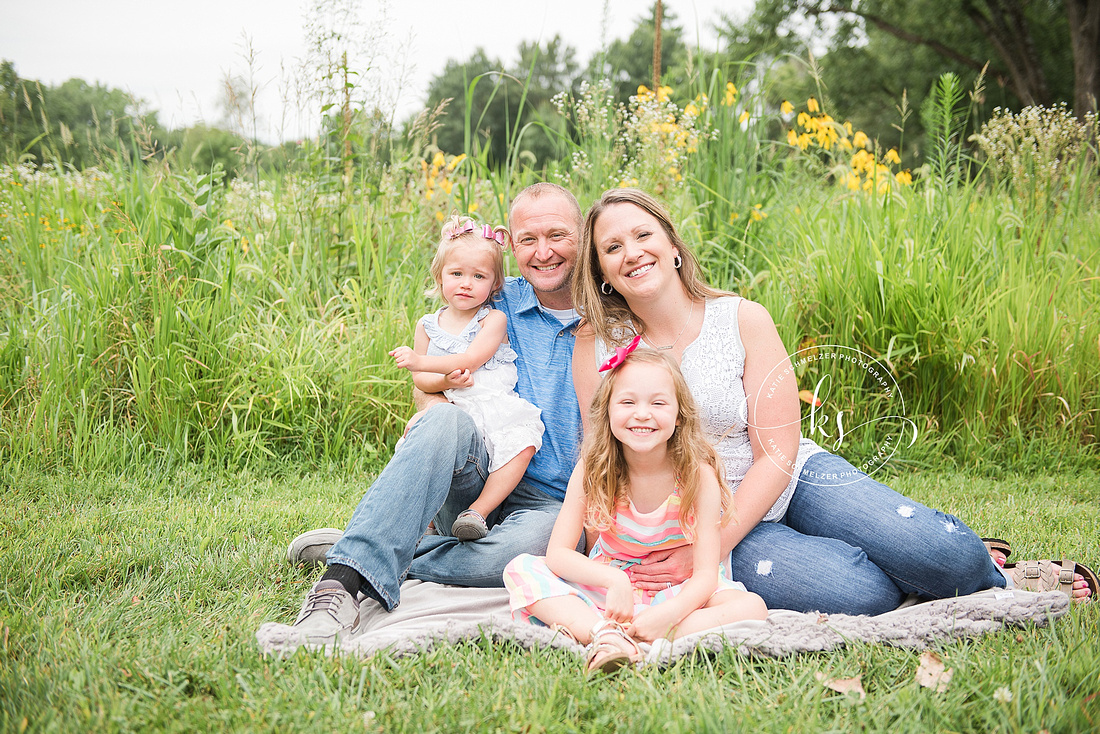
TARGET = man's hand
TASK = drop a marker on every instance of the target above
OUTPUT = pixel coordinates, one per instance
(458, 379)
(405, 358)
(619, 604)
(661, 568)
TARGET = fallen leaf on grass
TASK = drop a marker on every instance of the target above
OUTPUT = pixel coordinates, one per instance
(842, 685)
(931, 672)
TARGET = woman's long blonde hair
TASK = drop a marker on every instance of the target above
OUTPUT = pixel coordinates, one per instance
(609, 315)
(606, 477)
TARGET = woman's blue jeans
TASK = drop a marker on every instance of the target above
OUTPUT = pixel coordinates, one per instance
(851, 545)
(435, 474)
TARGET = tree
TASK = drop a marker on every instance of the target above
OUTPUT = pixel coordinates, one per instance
(74, 122)
(629, 63)
(495, 104)
(1023, 42)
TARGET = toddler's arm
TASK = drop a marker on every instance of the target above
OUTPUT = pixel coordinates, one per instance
(563, 559)
(494, 327)
(430, 383)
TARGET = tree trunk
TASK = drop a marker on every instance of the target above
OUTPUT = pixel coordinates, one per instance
(1084, 34)
(1006, 28)
(657, 47)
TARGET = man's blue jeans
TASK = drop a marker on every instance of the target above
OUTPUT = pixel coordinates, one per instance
(851, 545)
(435, 474)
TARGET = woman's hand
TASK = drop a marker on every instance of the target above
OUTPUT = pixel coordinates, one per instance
(661, 568)
(619, 604)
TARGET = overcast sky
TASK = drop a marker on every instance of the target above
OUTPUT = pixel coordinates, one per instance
(175, 55)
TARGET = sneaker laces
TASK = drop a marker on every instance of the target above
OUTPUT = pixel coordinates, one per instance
(324, 600)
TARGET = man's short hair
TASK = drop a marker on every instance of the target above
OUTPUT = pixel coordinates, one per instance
(542, 188)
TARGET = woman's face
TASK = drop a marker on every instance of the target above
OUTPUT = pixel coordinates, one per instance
(635, 255)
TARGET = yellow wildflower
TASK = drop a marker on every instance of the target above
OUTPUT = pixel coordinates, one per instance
(734, 216)
(852, 181)
(438, 160)
(862, 161)
(730, 96)
(455, 161)
(892, 156)
(812, 105)
(439, 216)
(846, 143)
(691, 109)
(663, 93)
(847, 128)
(804, 141)
(446, 185)
(757, 213)
(803, 119)
(860, 139)
(744, 118)
(786, 108)
(474, 207)
(904, 177)
(792, 139)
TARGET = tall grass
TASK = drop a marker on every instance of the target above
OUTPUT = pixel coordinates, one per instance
(156, 316)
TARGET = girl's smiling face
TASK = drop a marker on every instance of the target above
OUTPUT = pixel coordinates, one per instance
(468, 277)
(636, 256)
(643, 411)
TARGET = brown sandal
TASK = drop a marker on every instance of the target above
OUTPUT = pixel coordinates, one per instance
(1051, 576)
(608, 655)
(996, 544)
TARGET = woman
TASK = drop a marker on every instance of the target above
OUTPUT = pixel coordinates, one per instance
(810, 531)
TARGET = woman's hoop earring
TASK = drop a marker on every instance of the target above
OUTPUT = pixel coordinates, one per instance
(606, 289)
(677, 261)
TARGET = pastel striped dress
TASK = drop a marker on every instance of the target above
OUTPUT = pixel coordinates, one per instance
(632, 536)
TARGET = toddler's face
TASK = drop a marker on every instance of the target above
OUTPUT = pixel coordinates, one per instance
(468, 277)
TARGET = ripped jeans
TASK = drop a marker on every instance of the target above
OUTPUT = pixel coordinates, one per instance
(858, 547)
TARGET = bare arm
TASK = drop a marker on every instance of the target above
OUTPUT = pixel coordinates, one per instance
(493, 331)
(428, 384)
(658, 620)
(773, 434)
(773, 422)
(563, 559)
(585, 377)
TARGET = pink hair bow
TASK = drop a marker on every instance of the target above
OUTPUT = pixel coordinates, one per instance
(488, 233)
(459, 231)
(620, 355)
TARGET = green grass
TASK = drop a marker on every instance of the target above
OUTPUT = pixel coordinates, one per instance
(130, 604)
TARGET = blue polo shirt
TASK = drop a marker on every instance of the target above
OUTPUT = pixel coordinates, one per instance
(545, 367)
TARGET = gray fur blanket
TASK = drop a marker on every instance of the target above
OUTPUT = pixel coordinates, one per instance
(433, 614)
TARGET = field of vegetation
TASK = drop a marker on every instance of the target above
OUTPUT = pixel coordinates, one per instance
(193, 369)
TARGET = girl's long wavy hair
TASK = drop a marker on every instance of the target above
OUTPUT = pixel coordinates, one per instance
(609, 315)
(606, 478)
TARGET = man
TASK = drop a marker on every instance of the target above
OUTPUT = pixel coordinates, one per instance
(442, 464)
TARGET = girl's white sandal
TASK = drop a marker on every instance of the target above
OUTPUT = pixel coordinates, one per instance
(606, 653)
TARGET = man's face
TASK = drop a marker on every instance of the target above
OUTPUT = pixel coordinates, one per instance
(544, 241)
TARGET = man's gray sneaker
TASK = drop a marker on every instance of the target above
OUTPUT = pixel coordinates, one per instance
(310, 548)
(328, 614)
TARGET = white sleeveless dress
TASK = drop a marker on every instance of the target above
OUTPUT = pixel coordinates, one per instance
(507, 422)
